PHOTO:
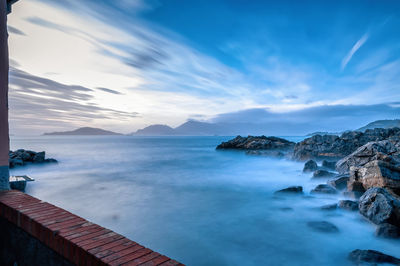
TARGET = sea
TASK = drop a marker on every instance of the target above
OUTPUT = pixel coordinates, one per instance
(183, 198)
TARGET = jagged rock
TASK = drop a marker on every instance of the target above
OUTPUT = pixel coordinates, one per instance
(329, 164)
(360, 257)
(379, 206)
(322, 174)
(323, 189)
(332, 146)
(323, 226)
(340, 182)
(270, 153)
(22, 157)
(51, 160)
(348, 205)
(376, 174)
(15, 162)
(293, 190)
(387, 231)
(380, 150)
(310, 166)
(39, 157)
(257, 143)
(329, 207)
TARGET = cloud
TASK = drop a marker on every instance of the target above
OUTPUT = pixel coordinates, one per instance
(109, 91)
(354, 49)
(15, 30)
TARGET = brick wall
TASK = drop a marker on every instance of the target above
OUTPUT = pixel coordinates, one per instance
(70, 238)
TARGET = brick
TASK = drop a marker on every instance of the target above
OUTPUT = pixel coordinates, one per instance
(137, 254)
(116, 249)
(171, 263)
(121, 253)
(143, 259)
(157, 261)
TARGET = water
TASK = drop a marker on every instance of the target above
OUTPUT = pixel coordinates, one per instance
(181, 197)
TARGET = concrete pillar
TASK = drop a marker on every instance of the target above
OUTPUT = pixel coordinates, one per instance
(4, 137)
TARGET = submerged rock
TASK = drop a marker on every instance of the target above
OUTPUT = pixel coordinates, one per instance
(360, 257)
(348, 205)
(257, 143)
(339, 182)
(332, 146)
(271, 153)
(323, 189)
(292, 190)
(329, 207)
(323, 226)
(379, 206)
(322, 174)
(310, 166)
(22, 157)
(329, 164)
(387, 231)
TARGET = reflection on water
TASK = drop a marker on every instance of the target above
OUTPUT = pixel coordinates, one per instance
(181, 197)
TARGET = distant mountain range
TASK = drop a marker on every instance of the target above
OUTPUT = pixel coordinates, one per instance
(381, 124)
(83, 131)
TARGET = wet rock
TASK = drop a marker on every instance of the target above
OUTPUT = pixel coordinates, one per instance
(348, 205)
(257, 143)
(51, 160)
(322, 174)
(387, 231)
(329, 164)
(376, 174)
(360, 257)
(339, 182)
(323, 226)
(271, 153)
(39, 157)
(15, 162)
(379, 206)
(378, 150)
(291, 190)
(329, 207)
(332, 146)
(310, 166)
(323, 189)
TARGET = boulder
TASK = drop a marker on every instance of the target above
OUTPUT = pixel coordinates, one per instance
(329, 207)
(257, 143)
(50, 160)
(292, 190)
(310, 166)
(379, 206)
(39, 157)
(387, 231)
(323, 226)
(323, 189)
(339, 182)
(348, 205)
(322, 174)
(379, 150)
(360, 257)
(269, 153)
(332, 146)
(16, 161)
(329, 164)
(376, 174)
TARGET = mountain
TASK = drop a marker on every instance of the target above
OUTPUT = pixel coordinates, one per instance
(83, 131)
(381, 124)
(155, 130)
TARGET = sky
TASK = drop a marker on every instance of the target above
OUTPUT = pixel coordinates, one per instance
(125, 64)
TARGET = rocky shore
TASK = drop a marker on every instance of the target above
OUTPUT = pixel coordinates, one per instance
(23, 157)
(362, 166)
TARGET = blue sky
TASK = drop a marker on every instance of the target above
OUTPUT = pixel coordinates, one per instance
(126, 64)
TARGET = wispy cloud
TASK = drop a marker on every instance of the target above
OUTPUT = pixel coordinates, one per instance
(354, 49)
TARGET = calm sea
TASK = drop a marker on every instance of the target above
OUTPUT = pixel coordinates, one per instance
(181, 197)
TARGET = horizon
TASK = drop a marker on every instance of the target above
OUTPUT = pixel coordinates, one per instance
(124, 65)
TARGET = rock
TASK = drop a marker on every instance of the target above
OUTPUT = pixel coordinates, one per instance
(339, 182)
(379, 150)
(293, 190)
(329, 207)
(310, 166)
(387, 231)
(359, 257)
(329, 164)
(348, 205)
(270, 153)
(322, 174)
(50, 160)
(15, 162)
(257, 143)
(39, 157)
(379, 206)
(323, 189)
(323, 226)
(332, 146)
(376, 174)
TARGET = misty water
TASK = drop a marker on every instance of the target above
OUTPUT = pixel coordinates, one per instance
(181, 197)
